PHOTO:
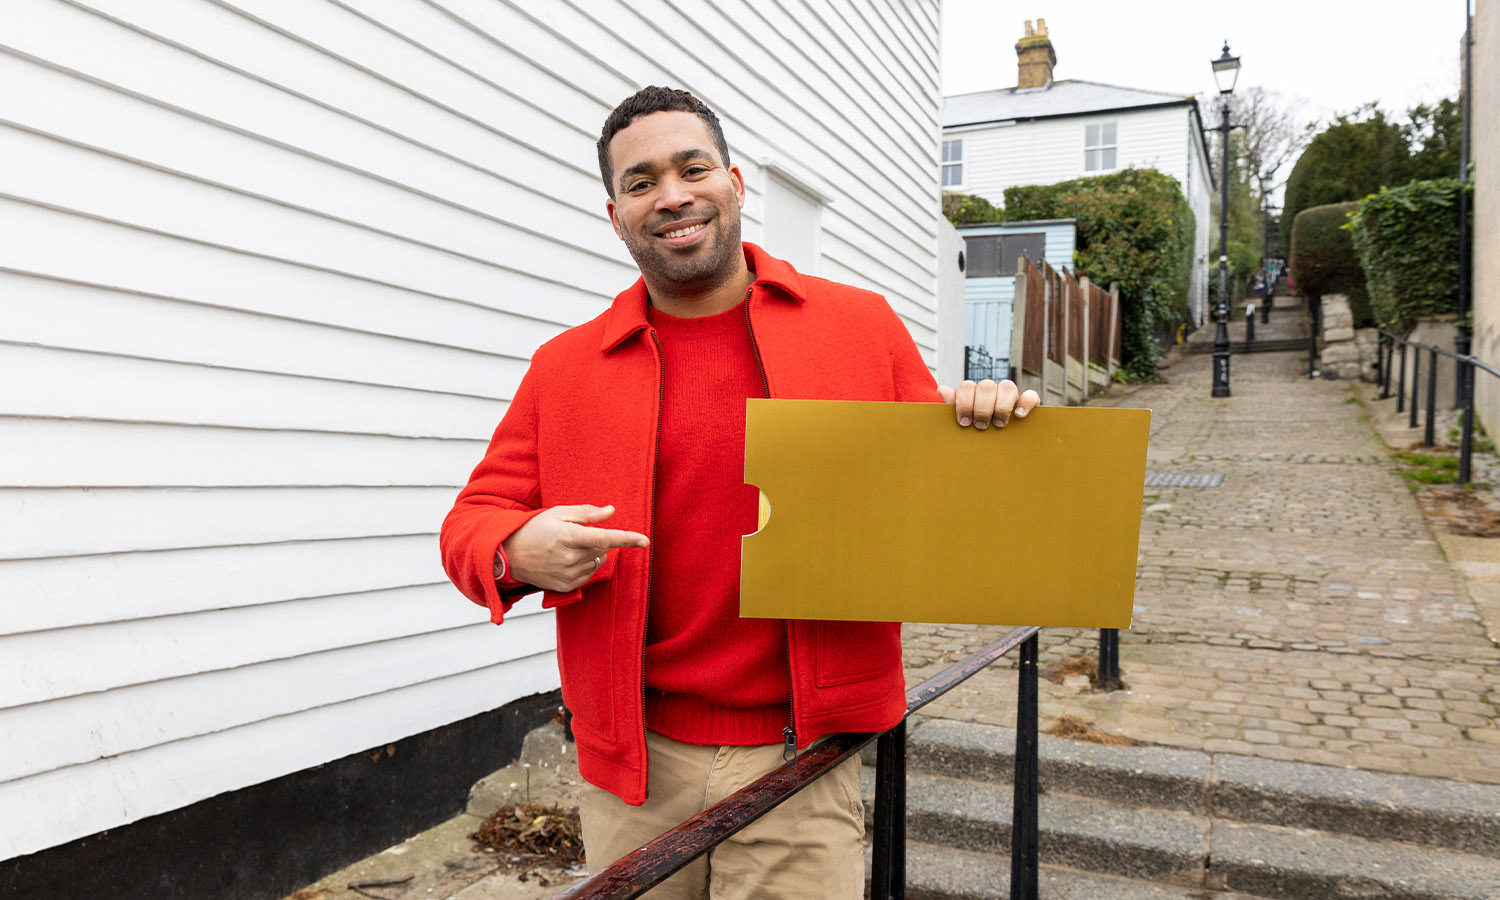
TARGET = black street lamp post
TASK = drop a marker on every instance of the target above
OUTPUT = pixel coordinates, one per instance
(1267, 263)
(1461, 341)
(1226, 70)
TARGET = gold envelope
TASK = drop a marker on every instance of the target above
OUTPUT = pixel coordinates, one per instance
(892, 512)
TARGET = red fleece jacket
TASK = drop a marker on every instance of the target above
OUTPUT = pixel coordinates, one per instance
(583, 428)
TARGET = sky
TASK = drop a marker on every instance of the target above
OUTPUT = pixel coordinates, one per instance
(1331, 55)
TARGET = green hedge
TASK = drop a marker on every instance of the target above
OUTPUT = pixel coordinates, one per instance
(970, 209)
(1134, 228)
(1407, 240)
(1324, 261)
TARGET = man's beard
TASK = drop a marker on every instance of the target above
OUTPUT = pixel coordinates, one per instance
(703, 269)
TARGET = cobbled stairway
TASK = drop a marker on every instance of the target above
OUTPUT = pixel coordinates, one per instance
(1156, 823)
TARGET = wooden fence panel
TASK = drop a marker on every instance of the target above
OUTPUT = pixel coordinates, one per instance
(1075, 316)
(1057, 316)
(1099, 325)
(1119, 328)
(1032, 316)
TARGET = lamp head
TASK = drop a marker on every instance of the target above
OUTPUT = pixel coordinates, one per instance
(1226, 70)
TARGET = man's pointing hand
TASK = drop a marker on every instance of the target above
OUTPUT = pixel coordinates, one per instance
(559, 548)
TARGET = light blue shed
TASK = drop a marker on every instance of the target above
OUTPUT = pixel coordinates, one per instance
(991, 253)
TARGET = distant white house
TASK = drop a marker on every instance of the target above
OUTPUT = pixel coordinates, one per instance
(270, 273)
(1044, 131)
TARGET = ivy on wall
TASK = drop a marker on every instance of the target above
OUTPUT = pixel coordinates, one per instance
(1134, 228)
(1407, 240)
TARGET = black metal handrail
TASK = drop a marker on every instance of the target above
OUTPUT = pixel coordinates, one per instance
(1465, 372)
(645, 867)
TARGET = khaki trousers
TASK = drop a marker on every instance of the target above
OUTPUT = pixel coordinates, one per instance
(808, 847)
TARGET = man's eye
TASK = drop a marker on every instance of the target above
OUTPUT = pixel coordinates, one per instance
(696, 170)
(637, 186)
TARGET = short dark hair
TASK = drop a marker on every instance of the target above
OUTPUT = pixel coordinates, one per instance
(649, 100)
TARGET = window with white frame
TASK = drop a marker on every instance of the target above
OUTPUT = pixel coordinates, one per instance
(1099, 146)
(953, 162)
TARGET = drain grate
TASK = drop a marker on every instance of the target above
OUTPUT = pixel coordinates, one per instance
(1184, 479)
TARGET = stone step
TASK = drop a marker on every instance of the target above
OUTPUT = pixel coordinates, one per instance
(935, 872)
(1259, 345)
(1433, 812)
(1173, 849)
(1076, 832)
(1302, 864)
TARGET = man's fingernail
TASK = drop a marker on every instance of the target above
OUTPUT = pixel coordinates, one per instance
(1021, 413)
(981, 424)
(964, 421)
(1000, 423)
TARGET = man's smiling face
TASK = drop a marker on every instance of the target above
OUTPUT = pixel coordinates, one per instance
(676, 205)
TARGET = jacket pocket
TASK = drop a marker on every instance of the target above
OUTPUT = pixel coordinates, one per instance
(586, 639)
(855, 651)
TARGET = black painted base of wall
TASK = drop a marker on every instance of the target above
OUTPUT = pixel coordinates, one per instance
(265, 841)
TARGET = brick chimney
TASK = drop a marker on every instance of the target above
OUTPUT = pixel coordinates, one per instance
(1036, 55)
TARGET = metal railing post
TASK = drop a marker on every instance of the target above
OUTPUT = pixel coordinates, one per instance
(1466, 443)
(1249, 326)
(1416, 378)
(1312, 339)
(1109, 660)
(1023, 826)
(1383, 361)
(888, 864)
(1401, 381)
(1429, 438)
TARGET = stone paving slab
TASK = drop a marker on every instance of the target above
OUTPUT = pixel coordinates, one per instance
(1301, 611)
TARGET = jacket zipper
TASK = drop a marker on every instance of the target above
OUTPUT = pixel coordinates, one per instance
(661, 403)
(789, 733)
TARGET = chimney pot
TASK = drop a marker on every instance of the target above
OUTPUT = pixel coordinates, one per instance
(1036, 56)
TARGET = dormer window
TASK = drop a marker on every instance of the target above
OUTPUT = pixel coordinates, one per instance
(1099, 146)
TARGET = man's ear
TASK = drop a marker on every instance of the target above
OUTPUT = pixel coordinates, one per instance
(609, 209)
(739, 184)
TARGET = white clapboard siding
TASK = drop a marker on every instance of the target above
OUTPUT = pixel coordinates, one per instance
(102, 794)
(60, 522)
(56, 314)
(300, 97)
(118, 587)
(126, 454)
(86, 727)
(43, 665)
(42, 243)
(97, 184)
(36, 381)
(270, 273)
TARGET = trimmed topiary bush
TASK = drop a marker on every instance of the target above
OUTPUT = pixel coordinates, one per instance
(970, 209)
(1134, 228)
(1324, 261)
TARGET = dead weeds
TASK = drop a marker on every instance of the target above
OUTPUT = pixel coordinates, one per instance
(523, 835)
(1061, 670)
(1460, 510)
(1075, 729)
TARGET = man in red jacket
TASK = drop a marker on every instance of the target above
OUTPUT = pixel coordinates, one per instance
(638, 418)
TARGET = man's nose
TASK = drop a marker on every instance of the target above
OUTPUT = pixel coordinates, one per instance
(673, 194)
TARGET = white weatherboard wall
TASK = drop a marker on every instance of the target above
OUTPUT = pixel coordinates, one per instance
(270, 271)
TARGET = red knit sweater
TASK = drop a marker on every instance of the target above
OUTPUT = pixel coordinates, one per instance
(711, 677)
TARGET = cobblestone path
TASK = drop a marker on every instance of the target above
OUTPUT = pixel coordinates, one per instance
(1301, 610)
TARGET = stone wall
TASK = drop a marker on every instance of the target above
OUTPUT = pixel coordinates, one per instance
(1340, 356)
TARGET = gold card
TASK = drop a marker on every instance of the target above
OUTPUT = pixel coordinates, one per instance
(892, 512)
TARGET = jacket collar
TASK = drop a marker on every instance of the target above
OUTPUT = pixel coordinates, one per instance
(627, 315)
